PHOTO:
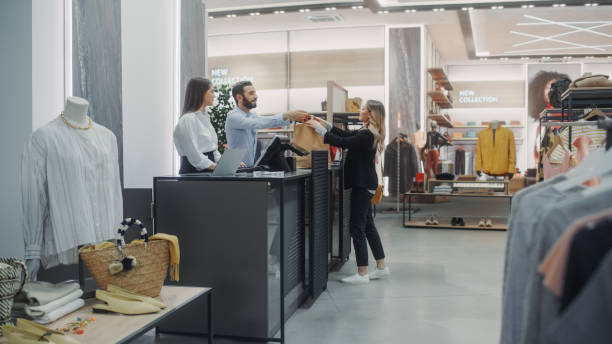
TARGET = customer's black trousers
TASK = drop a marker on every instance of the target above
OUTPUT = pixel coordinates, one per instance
(363, 229)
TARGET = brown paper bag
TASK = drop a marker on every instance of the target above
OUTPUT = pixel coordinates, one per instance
(305, 137)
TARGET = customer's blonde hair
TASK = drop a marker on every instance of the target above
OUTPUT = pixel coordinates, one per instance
(376, 123)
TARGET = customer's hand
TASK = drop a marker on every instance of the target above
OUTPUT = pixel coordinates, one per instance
(297, 115)
(212, 167)
(242, 165)
(313, 123)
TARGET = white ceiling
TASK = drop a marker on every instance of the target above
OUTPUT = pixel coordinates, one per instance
(495, 32)
(543, 31)
(227, 5)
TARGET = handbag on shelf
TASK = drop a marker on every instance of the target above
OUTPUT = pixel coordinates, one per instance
(145, 277)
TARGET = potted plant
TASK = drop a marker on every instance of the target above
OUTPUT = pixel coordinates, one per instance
(224, 103)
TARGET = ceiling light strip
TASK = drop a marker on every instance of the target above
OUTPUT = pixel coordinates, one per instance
(567, 25)
(562, 34)
(555, 40)
(552, 49)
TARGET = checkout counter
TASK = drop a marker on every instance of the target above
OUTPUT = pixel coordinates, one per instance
(232, 232)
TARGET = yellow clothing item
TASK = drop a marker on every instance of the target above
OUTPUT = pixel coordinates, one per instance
(499, 157)
(175, 252)
(101, 246)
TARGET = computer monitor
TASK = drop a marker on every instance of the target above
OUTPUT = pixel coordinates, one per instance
(272, 158)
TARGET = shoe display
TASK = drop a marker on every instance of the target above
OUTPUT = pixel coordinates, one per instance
(121, 304)
(16, 335)
(116, 290)
(41, 331)
(380, 273)
(356, 279)
(429, 220)
(489, 223)
(454, 221)
(460, 221)
(482, 222)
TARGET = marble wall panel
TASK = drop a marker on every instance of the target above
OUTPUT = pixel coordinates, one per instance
(96, 62)
(193, 43)
(404, 80)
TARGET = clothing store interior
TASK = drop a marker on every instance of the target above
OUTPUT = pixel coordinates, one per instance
(306, 171)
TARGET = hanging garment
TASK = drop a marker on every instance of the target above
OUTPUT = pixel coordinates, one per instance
(553, 267)
(598, 137)
(524, 217)
(433, 158)
(70, 189)
(459, 162)
(408, 166)
(541, 306)
(588, 318)
(587, 250)
(469, 163)
(496, 152)
(549, 171)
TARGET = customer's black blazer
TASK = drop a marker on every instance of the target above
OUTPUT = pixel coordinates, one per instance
(359, 170)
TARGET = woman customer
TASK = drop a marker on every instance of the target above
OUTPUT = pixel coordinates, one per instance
(195, 138)
(360, 175)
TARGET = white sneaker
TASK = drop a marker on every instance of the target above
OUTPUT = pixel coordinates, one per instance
(380, 273)
(356, 279)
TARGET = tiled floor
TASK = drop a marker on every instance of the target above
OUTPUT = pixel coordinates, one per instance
(445, 288)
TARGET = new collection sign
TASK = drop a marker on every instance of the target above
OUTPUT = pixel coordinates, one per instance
(488, 94)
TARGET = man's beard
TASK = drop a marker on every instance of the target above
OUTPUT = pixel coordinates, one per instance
(250, 105)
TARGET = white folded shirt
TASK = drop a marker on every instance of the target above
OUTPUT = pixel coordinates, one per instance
(60, 312)
(41, 311)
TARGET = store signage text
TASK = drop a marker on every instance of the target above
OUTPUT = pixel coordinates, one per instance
(220, 76)
(470, 97)
(488, 94)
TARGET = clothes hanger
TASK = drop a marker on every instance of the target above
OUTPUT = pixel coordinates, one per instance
(556, 143)
(595, 113)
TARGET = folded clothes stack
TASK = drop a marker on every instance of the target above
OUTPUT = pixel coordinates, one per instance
(45, 302)
(444, 189)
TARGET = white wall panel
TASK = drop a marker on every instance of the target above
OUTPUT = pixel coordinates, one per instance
(485, 72)
(247, 44)
(336, 39)
(47, 60)
(147, 30)
(598, 68)
(271, 101)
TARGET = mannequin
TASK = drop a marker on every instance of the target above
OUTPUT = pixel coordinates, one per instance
(75, 111)
(495, 152)
(70, 188)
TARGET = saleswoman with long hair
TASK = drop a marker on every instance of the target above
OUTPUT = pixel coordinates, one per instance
(360, 176)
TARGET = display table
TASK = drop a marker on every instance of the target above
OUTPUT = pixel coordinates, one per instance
(118, 328)
(409, 223)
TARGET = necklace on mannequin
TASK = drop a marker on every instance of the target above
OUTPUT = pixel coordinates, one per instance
(76, 126)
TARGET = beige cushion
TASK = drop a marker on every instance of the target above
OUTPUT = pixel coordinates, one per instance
(599, 80)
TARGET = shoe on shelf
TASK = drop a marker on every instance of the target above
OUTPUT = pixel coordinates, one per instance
(454, 221)
(429, 221)
(116, 290)
(435, 221)
(41, 331)
(489, 223)
(460, 221)
(482, 222)
(15, 335)
(380, 273)
(356, 279)
(121, 304)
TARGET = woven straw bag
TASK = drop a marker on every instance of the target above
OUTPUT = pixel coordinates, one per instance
(12, 279)
(149, 274)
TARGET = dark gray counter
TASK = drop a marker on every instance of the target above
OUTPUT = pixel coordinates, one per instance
(229, 230)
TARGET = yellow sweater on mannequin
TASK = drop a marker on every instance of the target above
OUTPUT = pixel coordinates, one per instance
(496, 157)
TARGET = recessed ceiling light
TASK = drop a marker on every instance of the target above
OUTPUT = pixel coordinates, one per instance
(211, 17)
(330, 8)
(279, 12)
(594, 4)
(524, 6)
(357, 7)
(503, 58)
(470, 8)
(483, 59)
(254, 13)
(531, 6)
(302, 10)
(464, 8)
(231, 15)
(610, 57)
(441, 10)
(562, 5)
(410, 11)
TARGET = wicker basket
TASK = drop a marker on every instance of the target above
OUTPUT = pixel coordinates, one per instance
(146, 278)
(12, 280)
